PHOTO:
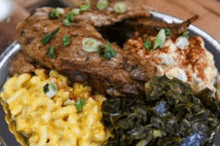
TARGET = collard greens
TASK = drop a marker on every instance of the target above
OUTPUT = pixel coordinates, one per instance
(170, 114)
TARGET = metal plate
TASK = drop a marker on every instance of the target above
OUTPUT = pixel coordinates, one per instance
(210, 43)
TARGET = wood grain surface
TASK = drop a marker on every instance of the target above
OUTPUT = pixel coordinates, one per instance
(208, 10)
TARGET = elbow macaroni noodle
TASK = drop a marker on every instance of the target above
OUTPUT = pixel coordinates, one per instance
(56, 121)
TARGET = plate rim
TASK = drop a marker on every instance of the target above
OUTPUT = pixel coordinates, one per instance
(14, 47)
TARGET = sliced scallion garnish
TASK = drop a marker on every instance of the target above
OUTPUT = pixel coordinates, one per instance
(167, 32)
(160, 39)
(50, 52)
(76, 11)
(148, 44)
(66, 40)
(85, 5)
(50, 89)
(48, 37)
(120, 7)
(90, 45)
(106, 51)
(55, 13)
(79, 104)
(60, 10)
(68, 21)
(102, 4)
(185, 34)
(70, 17)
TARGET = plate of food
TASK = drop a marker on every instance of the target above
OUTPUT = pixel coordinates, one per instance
(111, 74)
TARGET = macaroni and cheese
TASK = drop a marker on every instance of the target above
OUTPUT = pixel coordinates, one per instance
(53, 121)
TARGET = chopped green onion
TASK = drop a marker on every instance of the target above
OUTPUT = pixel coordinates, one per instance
(50, 89)
(55, 13)
(160, 39)
(106, 51)
(66, 40)
(79, 104)
(108, 54)
(90, 45)
(75, 11)
(60, 10)
(120, 7)
(50, 52)
(102, 4)
(85, 5)
(70, 17)
(185, 34)
(167, 32)
(48, 37)
(46, 88)
(66, 22)
(147, 44)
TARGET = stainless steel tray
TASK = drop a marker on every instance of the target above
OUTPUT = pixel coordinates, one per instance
(210, 43)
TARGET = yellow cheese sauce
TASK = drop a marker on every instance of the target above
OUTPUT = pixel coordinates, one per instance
(54, 121)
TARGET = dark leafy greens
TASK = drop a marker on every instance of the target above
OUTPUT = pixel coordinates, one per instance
(169, 115)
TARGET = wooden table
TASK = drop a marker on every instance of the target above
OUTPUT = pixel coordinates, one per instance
(208, 10)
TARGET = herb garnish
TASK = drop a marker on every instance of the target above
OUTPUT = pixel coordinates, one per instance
(70, 17)
(48, 37)
(90, 45)
(79, 105)
(148, 44)
(50, 89)
(106, 51)
(66, 40)
(55, 13)
(75, 11)
(160, 39)
(68, 21)
(50, 52)
(167, 32)
(85, 5)
(120, 7)
(185, 34)
(46, 88)
(102, 4)
(60, 10)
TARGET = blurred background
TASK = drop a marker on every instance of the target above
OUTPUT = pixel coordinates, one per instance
(14, 11)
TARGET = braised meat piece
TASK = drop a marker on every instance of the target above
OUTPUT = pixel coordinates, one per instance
(117, 76)
(121, 75)
(22, 63)
(149, 27)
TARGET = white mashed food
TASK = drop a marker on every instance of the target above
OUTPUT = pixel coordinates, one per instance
(193, 63)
